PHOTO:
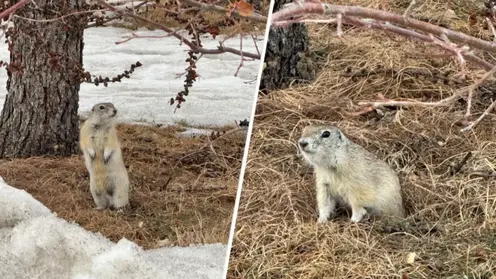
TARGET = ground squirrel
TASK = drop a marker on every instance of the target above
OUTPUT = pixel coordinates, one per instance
(347, 172)
(109, 181)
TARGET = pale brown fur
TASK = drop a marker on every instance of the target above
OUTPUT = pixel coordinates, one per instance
(109, 182)
(347, 172)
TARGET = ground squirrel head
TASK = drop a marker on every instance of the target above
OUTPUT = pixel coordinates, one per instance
(322, 145)
(103, 113)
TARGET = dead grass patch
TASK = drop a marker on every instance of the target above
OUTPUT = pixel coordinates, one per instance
(451, 223)
(183, 189)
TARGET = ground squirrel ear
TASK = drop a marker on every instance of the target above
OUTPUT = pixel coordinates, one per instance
(340, 135)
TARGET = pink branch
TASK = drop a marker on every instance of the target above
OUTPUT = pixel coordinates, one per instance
(13, 8)
(294, 10)
(413, 35)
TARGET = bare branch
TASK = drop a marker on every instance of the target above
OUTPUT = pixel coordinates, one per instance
(287, 22)
(486, 113)
(115, 17)
(491, 26)
(469, 103)
(293, 10)
(446, 44)
(255, 43)
(219, 9)
(192, 46)
(135, 36)
(339, 29)
(13, 8)
(412, 35)
(410, 103)
(59, 18)
(242, 58)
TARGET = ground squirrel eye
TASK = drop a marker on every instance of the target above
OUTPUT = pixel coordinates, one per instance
(102, 107)
(326, 134)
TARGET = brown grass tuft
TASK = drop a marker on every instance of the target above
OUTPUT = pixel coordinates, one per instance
(183, 190)
(451, 221)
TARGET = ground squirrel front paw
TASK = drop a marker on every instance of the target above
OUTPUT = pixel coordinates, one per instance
(358, 214)
(91, 153)
(107, 153)
(322, 220)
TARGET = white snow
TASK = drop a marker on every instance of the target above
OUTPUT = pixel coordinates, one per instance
(34, 243)
(217, 98)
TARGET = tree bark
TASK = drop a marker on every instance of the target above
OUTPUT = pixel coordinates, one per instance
(40, 114)
(286, 55)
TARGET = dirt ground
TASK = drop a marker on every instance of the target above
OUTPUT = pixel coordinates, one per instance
(183, 189)
(450, 230)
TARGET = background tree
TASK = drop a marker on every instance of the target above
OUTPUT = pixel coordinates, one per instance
(40, 114)
(286, 55)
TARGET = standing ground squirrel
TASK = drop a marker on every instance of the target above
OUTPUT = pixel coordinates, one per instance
(109, 181)
(347, 172)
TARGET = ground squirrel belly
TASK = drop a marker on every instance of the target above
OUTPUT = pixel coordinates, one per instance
(109, 181)
(348, 173)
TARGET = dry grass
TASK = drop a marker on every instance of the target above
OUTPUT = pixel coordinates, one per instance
(160, 165)
(451, 223)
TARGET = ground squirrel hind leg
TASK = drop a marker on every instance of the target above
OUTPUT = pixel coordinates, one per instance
(120, 198)
(357, 212)
(101, 200)
(326, 204)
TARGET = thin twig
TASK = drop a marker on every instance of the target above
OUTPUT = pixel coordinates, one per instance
(193, 47)
(410, 103)
(408, 10)
(482, 174)
(13, 8)
(214, 8)
(469, 103)
(456, 168)
(458, 51)
(293, 10)
(491, 26)
(134, 36)
(242, 58)
(287, 22)
(486, 112)
(339, 28)
(94, 24)
(59, 18)
(254, 38)
(412, 35)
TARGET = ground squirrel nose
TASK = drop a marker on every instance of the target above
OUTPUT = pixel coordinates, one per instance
(303, 143)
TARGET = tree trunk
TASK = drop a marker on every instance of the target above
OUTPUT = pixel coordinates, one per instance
(286, 55)
(40, 116)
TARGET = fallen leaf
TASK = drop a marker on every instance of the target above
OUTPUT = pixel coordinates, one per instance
(243, 8)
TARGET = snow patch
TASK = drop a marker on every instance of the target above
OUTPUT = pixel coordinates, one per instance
(45, 246)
